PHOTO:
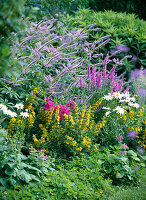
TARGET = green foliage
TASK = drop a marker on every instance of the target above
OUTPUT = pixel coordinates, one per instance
(11, 11)
(131, 193)
(49, 8)
(120, 169)
(15, 167)
(125, 29)
(135, 6)
(80, 179)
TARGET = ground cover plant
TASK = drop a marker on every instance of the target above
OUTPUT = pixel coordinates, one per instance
(70, 128)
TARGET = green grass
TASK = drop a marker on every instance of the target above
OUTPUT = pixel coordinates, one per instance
(131, 193)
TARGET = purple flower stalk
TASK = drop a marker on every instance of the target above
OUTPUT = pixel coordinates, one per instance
(126, 91)
(81, 83)
(99, 78)
(93, 76)
(88, 71)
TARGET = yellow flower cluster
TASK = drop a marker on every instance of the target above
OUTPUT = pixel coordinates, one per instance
(82, 115)
(141, 112)
(11, 126)
(131, 115)
(95, 149)
(124, 117)
(86, 142)
(71, 119)
(79, 148)
(71, 141)
(101, 125)
(79, 124)
(76, 109)
(96, 105)
(19, 122)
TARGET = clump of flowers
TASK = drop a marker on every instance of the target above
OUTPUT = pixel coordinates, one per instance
(124, 148)
(72, 131)
(62, 109)
(132, 134)
(140, 149)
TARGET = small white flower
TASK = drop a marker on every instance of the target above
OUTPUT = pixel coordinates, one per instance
(24, 114)
(3, 107)
(117, 95)
(119, 110)
(107, 113)
(106, 108)
(19, 106)
(7, 112)
(135, 105)
(126, 95)
(132, 99)
(108, 97)
(124, 100)
(13, 114)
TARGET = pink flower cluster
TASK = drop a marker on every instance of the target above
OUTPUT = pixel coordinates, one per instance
(124, 147)
(119, 138)
(62, 109)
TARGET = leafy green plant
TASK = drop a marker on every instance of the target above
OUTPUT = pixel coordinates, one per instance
(16, 168)
(11, 13)
(126, 30)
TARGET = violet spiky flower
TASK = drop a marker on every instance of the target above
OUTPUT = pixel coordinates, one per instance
(88, 71)
(99, 78)
(81, 83)
(126, 91)
(112, 72)
(93, 76)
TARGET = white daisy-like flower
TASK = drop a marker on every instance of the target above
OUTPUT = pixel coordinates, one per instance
(106, 108)
(119, 110)
(135, 105)
(19, 106)
(13, 114)
(7, 112)
(3, 107)
(124, 100)
(24, 114)
(107, 113)
(117, 95)
(132, 99)
(108, 97)
(126, 95)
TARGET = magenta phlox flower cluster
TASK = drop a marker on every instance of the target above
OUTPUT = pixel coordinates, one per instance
(123, 147)
(119, 138)
(62, 109)
(71, 104)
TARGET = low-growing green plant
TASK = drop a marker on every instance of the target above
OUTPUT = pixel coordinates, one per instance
(80, 179)
(18, 169)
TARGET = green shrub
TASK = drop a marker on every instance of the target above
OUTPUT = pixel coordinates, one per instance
(125, 29)
(135, 6)
(52, 8)
(10, 14)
